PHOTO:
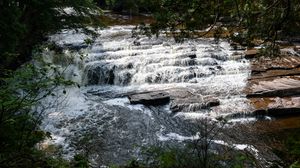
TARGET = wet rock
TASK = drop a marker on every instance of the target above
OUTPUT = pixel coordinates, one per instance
(181, 99)
(263, 65)
(100, 74)
(288, 52)
(136, 43)
(234, 45)
(211, 68)
(297, 48)
(188, 77)
(191, 62)
(111, 77)
(222, 57)
(274, 86)
(192, 56)
(276, 106)
(124, 78)
(212, 102)
(283, 43)
(151, 98)
(237, 46)
(75, 47)
(278, 112)
(130, 66)
(219, 67)
(281, 87)
(192, 104)
(249, 54)
(256, 75)
(294, 39)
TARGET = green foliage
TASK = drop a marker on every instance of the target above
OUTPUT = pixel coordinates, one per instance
(295, 165)
(293, 146)
(185, 16)
(20, 91)
(260, 19)
(289, 152)
(25, 24)
(272, 50)
(129, 6)
(181, 157)
(80, 161)
(132, 164)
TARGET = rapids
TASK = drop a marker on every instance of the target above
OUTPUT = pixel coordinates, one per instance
(99, 115)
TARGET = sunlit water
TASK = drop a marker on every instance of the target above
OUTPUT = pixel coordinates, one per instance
(117, 64)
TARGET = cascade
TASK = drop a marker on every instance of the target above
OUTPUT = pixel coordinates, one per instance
(117, 64)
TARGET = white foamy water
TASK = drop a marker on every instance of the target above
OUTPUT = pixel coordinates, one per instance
(117, 64)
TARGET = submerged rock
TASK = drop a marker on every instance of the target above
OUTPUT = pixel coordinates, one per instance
(150, 98)
(193, 104)
(100, 74)
(192, 56)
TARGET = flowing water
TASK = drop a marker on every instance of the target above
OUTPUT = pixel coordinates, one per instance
(99, 113)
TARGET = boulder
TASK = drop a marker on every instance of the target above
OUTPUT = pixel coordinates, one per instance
(150, 98)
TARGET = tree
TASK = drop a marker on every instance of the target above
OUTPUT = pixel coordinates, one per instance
(184, 16)
(20, 91)
(25, 24)
(266, 20)
(201, 151)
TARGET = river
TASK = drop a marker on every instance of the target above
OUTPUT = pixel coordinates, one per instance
(99, 114)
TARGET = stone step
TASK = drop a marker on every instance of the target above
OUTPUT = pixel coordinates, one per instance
(279, 87)
(150, 98)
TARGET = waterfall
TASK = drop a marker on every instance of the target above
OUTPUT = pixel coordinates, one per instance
(117, 64)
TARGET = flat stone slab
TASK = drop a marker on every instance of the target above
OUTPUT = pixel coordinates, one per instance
(276, 106)
(275, 73)
(150, 98)
(263, 65)
(278, 87)
(274, 86)
(180, 99)
(193, 104)
(249, 54)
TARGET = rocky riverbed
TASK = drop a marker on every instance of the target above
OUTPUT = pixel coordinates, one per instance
(140, 92)
(274, 85)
